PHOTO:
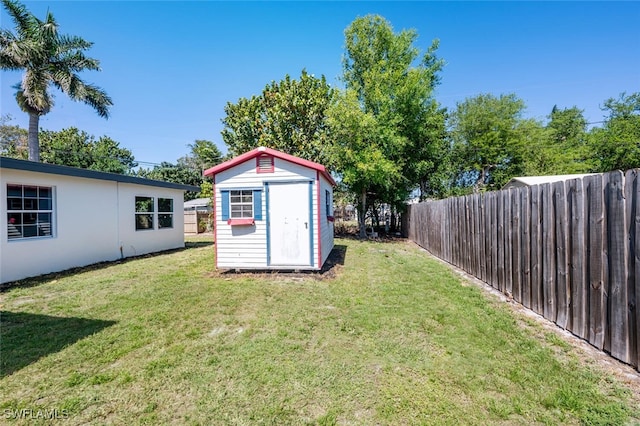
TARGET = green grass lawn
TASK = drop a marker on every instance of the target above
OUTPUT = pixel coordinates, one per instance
(389, 337)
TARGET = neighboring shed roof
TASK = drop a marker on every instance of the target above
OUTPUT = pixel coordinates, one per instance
(262, 150)
(32, 166)
(518, 182)
(198, 202)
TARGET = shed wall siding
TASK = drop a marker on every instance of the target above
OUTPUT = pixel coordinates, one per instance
(92, 219)
(326, 230)
(246, 246)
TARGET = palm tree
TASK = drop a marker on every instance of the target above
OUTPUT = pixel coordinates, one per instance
(47, 58)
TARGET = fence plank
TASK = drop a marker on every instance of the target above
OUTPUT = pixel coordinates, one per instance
(562, 266)
(483, 253)
(494, 239)
(548, 253)
(525, 224)
(536, 251)
(478, 251)
(635, 258)
(577, 250)
(516, 241)
(617, 249)
(500, 240)
(595, 253)
(508, 246)
(630, 189)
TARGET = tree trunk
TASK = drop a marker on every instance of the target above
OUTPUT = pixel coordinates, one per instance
(362, 213)
(424, 188)
(480, 182)
(33, 142)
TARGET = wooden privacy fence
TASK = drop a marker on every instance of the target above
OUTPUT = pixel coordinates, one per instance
(566, 250)
(195, 221)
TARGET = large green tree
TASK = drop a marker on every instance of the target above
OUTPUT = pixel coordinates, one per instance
(289, 115)
(176, 173)
(76, 148)
(47, 58)
(392, 85)
(616, 145)
(568, 141)
(487, 136)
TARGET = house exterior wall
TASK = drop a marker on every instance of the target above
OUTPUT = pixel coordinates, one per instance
(134, 242)
(246, 246)
(92, 219)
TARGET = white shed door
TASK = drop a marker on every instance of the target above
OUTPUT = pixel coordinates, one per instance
(289, 223)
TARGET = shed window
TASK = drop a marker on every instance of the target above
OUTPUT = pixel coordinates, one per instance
(144, 213)
(241, 204)
(327, 203)
(29, 211)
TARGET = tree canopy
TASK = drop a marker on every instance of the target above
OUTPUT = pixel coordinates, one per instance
(487, 142)
(76, 148)
(289, 115)
(617, 144)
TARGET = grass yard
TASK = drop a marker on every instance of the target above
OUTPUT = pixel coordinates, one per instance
(389, 337)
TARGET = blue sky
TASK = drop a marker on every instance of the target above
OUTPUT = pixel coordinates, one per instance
(171, 66)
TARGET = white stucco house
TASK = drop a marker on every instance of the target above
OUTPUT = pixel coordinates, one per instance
(59, 217)
(272, 211)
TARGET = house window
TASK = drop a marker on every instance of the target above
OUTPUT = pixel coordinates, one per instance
(29, 211)
(241, 204)
(165, 213)
(144, 213)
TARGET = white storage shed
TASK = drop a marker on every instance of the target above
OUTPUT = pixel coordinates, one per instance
(61, 217)
(272, 211)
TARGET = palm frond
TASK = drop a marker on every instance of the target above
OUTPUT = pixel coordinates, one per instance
(33, 90)
(78, 90)
(17, 53)
(98, 100)
(68, 42)
(75, 62)
(23, 19)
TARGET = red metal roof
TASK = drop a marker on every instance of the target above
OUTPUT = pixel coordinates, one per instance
(277, 154)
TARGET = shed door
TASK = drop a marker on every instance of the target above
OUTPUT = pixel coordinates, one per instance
(290, 223)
